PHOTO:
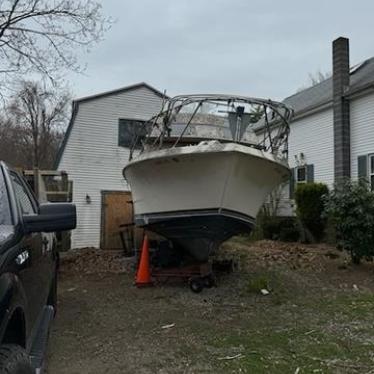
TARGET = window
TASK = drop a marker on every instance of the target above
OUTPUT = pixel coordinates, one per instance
(371, 171)
(131, 131)
(301, 174)
(5, 218)
(365, 168)
(22, 196)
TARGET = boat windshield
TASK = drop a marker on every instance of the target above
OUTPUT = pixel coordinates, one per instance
(190, 119)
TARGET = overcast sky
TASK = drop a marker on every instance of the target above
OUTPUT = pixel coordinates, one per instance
(248, 47)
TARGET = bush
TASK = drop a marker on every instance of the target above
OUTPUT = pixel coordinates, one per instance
(279, 228)
(309, 203)
(350, 207)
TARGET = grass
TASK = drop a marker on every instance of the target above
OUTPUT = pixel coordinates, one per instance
(313, 320)
(305, 325)
(258, 283)
(316, 335)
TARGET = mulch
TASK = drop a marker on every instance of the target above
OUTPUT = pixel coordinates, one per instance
(91, 261)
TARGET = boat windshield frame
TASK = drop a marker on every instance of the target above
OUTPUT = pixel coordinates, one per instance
(273, 124)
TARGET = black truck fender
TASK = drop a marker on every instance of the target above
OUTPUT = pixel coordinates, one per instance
(12, 301)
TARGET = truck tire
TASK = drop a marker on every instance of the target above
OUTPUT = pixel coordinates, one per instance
(14, 360)
(196, 285)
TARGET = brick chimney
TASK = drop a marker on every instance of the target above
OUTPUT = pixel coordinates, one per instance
(340, 78)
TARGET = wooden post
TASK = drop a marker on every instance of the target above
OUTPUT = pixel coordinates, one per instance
(65, 186)
(36, 183)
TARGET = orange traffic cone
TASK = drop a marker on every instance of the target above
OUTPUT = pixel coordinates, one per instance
(143, 275)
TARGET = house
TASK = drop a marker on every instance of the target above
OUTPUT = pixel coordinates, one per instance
(332, 136)
(332, 132)
(94, 151)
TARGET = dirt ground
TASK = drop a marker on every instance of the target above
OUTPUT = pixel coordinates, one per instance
(317, 317)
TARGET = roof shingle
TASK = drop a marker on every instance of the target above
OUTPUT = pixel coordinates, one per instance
(361, 76)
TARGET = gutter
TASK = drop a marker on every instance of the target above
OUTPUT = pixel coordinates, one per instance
(360, 91)
(351, 95)
(312, 110)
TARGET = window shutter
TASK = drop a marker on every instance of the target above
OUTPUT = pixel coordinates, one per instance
(292, 183)
(362, 166)
(310, 173)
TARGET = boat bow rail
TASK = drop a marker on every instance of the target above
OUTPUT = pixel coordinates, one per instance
(189, 119)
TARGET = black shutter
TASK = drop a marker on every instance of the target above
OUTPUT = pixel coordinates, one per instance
(292, 183)
(362, 166)
(310, 173)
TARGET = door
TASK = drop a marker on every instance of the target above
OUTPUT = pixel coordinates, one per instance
(35, 266)
(116, 211)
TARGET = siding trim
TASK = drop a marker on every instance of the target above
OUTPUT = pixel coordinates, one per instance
(312, 110)
(74, 113)
(357, 94)
(122, 90)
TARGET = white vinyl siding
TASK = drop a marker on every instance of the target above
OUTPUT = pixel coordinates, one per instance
(314, 137)
(93, 159)
(362, 130)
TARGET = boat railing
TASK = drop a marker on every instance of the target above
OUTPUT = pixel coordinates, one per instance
(258, 123)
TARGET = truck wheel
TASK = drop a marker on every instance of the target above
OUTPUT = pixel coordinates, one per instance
(14, 360)
(209, 281)
(196, 285)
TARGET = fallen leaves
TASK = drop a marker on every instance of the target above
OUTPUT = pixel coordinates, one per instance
(269, 253)
(92, 261)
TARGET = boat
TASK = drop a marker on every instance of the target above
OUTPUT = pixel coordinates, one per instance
(201, 169)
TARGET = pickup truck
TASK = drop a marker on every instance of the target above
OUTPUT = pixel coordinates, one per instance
(28, 272)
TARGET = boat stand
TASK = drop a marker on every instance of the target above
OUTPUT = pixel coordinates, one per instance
(198, 276)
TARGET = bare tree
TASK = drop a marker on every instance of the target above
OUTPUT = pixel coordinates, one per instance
(43, 36)
(315, 79)
(318, 77)
(272, 206)
(39, 114)
(9, 141)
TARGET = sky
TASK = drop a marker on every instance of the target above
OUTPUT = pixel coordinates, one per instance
(262, 48)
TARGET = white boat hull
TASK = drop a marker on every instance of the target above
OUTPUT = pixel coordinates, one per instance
(217, 186)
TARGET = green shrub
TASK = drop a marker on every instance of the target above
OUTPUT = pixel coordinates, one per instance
(289, 233)
(330, 232)
(279, 228)
(350, 207)
(309, 208)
